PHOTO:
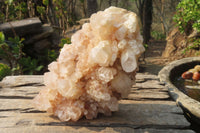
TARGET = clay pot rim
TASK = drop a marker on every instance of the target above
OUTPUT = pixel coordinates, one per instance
(189, 105)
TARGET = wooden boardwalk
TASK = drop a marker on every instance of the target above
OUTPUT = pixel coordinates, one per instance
(148, 109)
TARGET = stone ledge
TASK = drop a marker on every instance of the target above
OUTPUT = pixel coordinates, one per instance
(189, 105)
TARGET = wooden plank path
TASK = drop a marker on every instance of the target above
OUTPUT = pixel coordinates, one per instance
(148, 109)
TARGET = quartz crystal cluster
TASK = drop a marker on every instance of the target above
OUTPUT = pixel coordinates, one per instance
(96, 70)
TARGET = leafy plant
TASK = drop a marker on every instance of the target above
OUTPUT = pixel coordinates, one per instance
(146, 46)
(8, 2)
(4, 70)
(12, 52)
(41, 9)
(158, 35)
(30, 66)
(188, 19)
(13, 9)
(59, 13)
(188, 14)
(195, 45)
(65, 41)
(49, 56)
(45, 2)
(2, 37)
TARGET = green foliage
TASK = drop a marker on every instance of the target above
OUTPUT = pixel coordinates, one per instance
(158, 35)
(47, 57)
(30, 66)
(195, 45)
(41, 9)
(12, 52)
(21, 7)
(13, 10)
(4, 70)
(65, 41)
(187, 19)
(51, 55)
(188, 13)
(2, 37)
(82, 1)
(45, 2)
(146, 46)
(9, 2)
(60, 13)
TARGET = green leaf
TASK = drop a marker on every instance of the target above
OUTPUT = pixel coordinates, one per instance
(188, 12)
(9, 2)
(41, 9)
(4, 70)
(2, 37)
(82, 1)
(39, 68)
(146, 46)
(15, 69)
(30, 73)
(45, 2)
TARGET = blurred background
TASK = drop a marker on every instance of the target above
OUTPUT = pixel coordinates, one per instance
(33, 31)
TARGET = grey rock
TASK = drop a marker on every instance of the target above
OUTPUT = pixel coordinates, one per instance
(41, 45)
(46, 32)
(21, 27)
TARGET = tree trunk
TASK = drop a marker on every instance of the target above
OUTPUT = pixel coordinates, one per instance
(7, 13)
(100, 4)
(140, 5)
(83, 4)
(147, 20)
(162, 11)
(91, 7)
(110, 2)
(116, 3)
(161, 14)
(50, 13)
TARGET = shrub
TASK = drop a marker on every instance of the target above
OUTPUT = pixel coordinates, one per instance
(188, 15)
(187, 19)
(158, 35)
(64, 41)
(4, 70)
(11, 50)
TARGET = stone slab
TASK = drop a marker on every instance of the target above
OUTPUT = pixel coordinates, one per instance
(21, 27)
(21, 80)
(130, 115)
(46, 32)
(18, 115)
(68, 129)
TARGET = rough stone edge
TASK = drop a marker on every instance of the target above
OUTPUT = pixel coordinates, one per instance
(17, 23)
(188, 104)
(21, 80)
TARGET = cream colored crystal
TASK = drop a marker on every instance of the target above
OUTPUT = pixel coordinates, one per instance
(96, 70)
(128, 60)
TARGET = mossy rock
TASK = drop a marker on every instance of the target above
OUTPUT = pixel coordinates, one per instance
(4, 70)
